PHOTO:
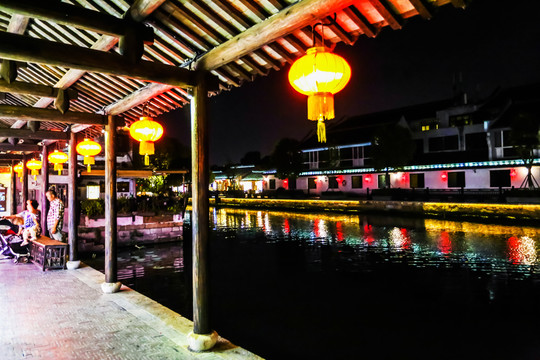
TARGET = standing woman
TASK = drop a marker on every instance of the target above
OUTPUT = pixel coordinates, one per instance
(55, 216)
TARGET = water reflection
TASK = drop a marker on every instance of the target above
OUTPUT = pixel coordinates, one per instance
(420, 242)
(314, 277)
(522, 250)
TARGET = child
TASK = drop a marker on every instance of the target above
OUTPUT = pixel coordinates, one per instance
(31, 228)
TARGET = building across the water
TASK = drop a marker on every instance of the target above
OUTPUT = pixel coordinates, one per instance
(459, 144)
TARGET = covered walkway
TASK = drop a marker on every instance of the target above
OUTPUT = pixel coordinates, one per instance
(60, 315)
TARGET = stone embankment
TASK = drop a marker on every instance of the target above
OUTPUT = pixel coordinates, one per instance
(131, 230)
(511, 213)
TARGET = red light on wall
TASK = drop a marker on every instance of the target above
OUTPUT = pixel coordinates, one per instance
(513, 173)
(368, 178)
(404, 177)
(444, 176)
(339, 178)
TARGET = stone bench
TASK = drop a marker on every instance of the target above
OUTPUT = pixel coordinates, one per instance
(48, 253)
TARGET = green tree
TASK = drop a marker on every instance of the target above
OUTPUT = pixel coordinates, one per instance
(525, 138)
(392, 147)
(287, 160)
(170, 154)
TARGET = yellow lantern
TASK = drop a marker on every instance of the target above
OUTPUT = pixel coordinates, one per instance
(19, 170)
(58, 158)
(34, 165)
(319, 75)
(88, 149)
(146, 130)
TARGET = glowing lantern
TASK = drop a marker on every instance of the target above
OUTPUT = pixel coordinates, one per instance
(146, 130)
(319, 75)
(513, 173)
(19, 170)
(444, 176)
(34, 165)
(88, 149)
(58, 158)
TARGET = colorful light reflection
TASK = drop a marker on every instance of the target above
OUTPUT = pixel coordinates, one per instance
(522, 250)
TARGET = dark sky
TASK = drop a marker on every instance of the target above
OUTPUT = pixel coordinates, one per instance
(492, 43)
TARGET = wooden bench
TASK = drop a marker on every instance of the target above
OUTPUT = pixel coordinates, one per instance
(48, 253)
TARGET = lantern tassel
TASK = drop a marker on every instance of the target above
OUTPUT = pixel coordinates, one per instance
(88, 169)
(146, 160)
(321, 131)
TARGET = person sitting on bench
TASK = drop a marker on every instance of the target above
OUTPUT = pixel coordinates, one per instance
(31, 228)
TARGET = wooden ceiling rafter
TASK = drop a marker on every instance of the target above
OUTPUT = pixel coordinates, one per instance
(388, 14)
(220, 26)
(359, 19)
(422, 8)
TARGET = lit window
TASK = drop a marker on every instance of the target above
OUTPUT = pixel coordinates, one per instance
(92, 192)
(425, 127)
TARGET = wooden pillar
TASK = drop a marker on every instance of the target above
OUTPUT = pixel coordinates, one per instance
(44, 186)
(24, 187)
(72, 199)
(13, 197)
(200, 206)
(110, 201)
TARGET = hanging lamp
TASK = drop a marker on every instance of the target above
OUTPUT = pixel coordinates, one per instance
(320, 74)
(58, 158)
(34, 165)
(19, 170)
(146, 131)
(88, 149)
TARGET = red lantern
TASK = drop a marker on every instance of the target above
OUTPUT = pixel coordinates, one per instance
(367, 178)
(19, 170)
(58, 158)
(88, 149)
(146, 130)
(34, 165)
(444, 176)
(319, 75)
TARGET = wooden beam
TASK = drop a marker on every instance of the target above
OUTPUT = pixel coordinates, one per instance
(23, 48)
(18, 24)
(138, 11)
(200, 207)
(459, 4)
(13, 192)
(19, 147)
(24, 187)
(111, 235)
(289, 19)
(359, 19)
(35, 135)
(11, 157)
(421, 8)
(44, 187)
(387, 13)
(19, 87)
(67, 14)
(10, 112)
(72, 200)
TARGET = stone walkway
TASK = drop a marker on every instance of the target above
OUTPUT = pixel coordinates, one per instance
(63, 314)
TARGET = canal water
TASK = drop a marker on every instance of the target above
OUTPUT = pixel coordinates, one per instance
(321, 286)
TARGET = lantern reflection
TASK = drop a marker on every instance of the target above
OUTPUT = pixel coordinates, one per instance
(339, 231)
(320, 229)
(445, 244)
(522, 250)
(286, 226)
(368, 234)
(399, 238)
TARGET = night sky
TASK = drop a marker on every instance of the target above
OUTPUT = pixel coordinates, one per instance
(492, 43)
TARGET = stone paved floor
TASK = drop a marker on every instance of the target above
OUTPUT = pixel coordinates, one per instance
(63, 314)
